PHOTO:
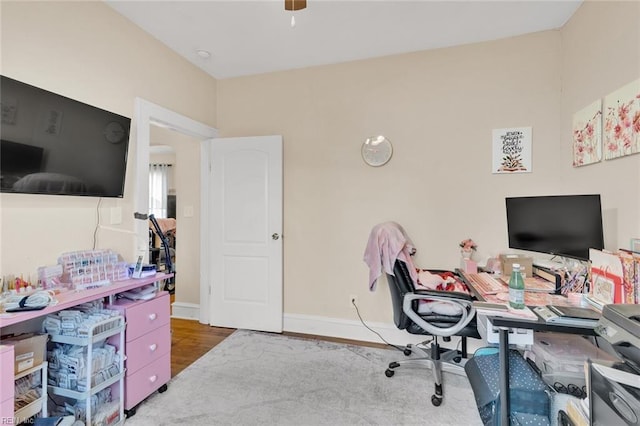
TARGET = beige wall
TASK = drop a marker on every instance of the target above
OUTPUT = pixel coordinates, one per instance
(601, 53)
(438, 108)
(88, 52)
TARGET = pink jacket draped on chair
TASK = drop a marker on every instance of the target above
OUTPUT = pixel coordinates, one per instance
(388, 242)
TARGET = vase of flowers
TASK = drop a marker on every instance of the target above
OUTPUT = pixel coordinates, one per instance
(467, 247)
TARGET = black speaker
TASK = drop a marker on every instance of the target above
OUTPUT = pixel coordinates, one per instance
(171, 206)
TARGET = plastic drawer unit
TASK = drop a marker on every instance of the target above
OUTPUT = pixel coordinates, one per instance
(6, 383)
(561, 358)
(148, 347)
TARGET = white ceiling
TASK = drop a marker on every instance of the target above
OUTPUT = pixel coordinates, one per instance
(252, 37)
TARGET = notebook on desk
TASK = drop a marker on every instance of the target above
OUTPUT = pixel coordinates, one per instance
(504, 310)
(568, 315)
(575, 312)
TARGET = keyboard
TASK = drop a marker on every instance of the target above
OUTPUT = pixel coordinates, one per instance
(484, 283)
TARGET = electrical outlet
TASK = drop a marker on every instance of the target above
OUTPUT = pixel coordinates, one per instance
(353, 299)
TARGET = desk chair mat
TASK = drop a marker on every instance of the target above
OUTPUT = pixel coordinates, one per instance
(528, 392)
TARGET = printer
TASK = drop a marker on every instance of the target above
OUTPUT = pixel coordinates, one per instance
(620, 326)
(615, 387)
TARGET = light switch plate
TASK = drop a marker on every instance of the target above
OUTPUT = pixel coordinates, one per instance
(116, 215)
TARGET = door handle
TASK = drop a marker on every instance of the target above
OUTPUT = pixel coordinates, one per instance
(275, 236)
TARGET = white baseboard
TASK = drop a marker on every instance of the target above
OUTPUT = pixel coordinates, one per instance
(346, 329)
(336, 327)
(355, 330)
(182, 310)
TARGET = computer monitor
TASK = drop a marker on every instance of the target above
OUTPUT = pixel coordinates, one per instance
(563, 225)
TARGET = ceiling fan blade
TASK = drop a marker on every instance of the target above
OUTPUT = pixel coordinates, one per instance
(295, 4)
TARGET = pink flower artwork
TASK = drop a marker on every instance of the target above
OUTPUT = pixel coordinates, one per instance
(587, 135)
(621, 115)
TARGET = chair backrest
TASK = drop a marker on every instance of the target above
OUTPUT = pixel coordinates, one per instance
(399, 284)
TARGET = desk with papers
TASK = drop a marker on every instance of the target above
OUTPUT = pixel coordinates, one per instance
(512, 319)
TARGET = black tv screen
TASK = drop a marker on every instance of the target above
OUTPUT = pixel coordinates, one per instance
(51, 144)
(563, 225)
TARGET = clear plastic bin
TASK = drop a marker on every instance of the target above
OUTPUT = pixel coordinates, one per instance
(559, 352)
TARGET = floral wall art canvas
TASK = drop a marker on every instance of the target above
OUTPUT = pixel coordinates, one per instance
(512, 150)
(587, 135)
(621, 116)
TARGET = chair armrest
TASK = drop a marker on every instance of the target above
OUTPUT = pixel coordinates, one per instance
(465, 302)
(444, 294)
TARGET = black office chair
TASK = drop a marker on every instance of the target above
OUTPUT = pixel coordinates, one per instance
(166, 256)
(405, 300)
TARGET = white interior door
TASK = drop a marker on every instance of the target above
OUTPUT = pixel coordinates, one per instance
(245, 233)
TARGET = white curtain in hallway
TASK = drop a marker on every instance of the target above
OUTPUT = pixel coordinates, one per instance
(158, 182)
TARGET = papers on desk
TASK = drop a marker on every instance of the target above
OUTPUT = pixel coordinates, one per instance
(531, 298)
(537, 284)
(146, 292)
(504, 310)
(147, 270)
(532, 284)
(568, 315)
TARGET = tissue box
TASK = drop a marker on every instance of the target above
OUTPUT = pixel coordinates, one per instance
(526, 264)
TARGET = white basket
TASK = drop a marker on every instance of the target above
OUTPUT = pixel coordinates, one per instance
(517, 336)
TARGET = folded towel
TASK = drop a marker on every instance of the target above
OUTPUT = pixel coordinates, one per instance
(387, 243)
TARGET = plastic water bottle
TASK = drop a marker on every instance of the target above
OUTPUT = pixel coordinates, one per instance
(516, 288)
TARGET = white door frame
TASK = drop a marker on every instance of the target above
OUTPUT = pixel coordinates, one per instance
(146, 115)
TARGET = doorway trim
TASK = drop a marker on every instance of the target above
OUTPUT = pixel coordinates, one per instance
(146, 115)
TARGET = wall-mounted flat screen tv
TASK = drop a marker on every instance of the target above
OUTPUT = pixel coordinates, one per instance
(563, 225)
(51, 144)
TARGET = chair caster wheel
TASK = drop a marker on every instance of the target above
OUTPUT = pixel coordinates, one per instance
(407, 351)
(389, 373)
(457, 359)
(435, 400)
(393, 365)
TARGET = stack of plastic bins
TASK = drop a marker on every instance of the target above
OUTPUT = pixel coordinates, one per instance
(561, 359)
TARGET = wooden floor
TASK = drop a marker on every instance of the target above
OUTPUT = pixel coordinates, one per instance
(190, 340)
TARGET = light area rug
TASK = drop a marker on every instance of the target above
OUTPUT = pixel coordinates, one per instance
(255, 378)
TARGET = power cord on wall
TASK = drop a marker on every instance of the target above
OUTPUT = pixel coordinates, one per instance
(353, 302)
(95, 231)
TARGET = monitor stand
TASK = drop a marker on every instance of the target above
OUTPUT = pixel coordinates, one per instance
(547, 264)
